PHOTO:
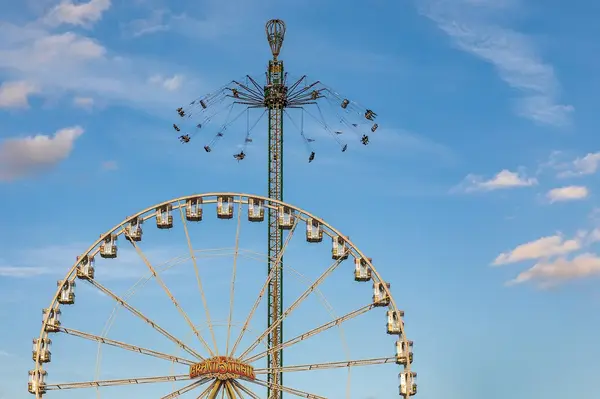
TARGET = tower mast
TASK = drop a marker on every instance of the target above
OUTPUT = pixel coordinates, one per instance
(275, 100)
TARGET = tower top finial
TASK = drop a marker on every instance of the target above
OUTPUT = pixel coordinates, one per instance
(275, 30)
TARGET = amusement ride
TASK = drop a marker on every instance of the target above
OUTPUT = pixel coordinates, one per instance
(243, 369)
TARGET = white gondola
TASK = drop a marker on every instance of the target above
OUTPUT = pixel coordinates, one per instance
(256, 210)
(285, 217)
(53, 323)
(225, 207)
(408, 383)
(362, 271)
(314, 231)
(395, 322)
(133, 230)
(67, 292)
(85, 268)
(339, 249)
(164, 217)
(37, 381)
(404, 352)
(108, 248)
(193, 209)
(380, 295)
(45, 355)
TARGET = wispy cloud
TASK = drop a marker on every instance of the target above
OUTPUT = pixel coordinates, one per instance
(16, 94)
(472, 27)
(156, 22)
(553, 264)
(551, 273)
(586, 165)
(569, 193)
(505, 179)
(81, 14)
(83, 102)
(50, 62)
(218, 20)
(59, 258)
(541, 248)
(559, 162)
(171, 84)
(20, 157)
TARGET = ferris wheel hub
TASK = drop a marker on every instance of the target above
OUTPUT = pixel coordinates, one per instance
(222, 368)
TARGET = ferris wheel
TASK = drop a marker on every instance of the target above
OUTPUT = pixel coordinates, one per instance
(186, 327)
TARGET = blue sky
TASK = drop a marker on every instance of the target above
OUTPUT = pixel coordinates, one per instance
(476, 199)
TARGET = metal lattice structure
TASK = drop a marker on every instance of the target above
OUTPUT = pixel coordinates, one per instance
(212, 372)
(277, 96)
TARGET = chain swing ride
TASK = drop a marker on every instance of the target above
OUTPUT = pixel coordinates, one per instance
(229, 374)
(276, 97)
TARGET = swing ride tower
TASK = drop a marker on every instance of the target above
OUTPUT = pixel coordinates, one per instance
(275, 100)
(276, 97)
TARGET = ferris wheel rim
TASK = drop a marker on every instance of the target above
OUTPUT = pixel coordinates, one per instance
(235, 198)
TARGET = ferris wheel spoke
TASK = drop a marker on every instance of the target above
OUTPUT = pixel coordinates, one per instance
(171, 297)
(198, 279)
(289, 390)
(263, 290)
(239, 387)
(229, 390)
(123, 345)
(328, 365)
(215, 389)
(294, 305)
(207, 390)
(314, 331)
(139, 314)
(233, 273)
(109, 383)
(187, 388)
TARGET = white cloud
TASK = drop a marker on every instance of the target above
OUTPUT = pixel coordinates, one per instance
(471, 26)
(83, 14)
(83, 102)
(20, 157)
(554, 264)
(569, 193)
(47, 55)
(171, 84)
(541, 248)
(110, 165)
(16, 94)
(550, 273)
(72, 64)
(504, 179)
(586, 165)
